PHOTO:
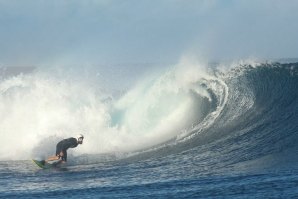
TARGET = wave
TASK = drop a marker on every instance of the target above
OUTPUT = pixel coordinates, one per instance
(244, 112)
(257, 121)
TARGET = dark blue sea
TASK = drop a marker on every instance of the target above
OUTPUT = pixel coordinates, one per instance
(230, 133)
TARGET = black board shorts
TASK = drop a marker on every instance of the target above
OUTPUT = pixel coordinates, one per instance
(60, 148)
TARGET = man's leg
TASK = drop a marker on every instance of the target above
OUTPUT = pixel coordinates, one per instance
(51, 158)
(64, 158)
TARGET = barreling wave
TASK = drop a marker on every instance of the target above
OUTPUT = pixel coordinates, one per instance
(256, 121)
(234, 115)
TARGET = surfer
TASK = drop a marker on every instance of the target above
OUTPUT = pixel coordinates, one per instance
(63, 145)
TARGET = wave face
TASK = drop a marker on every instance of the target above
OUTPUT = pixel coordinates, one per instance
(256, 123)
(261, 113)
(245, 113)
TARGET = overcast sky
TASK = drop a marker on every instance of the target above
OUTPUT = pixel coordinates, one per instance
(42, 32)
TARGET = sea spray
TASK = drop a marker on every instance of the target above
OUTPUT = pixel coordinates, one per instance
(39, 106)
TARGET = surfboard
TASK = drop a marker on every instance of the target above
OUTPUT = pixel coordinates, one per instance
(40, 164)
(45, 165)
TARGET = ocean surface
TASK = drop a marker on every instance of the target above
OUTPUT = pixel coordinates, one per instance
(186, 132)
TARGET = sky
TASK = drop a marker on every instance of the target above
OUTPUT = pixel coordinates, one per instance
(90, 32)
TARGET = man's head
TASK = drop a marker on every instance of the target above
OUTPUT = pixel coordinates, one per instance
(80, 138)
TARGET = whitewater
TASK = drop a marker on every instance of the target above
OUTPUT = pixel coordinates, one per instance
(184, 131)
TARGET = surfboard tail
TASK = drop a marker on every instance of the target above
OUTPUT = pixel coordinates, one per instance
(40, 164)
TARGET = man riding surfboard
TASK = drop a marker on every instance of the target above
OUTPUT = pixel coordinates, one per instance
(62, 147)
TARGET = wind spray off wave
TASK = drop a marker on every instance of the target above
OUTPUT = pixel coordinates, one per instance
(41, 107)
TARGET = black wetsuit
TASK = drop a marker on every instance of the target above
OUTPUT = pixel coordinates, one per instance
(65, 144)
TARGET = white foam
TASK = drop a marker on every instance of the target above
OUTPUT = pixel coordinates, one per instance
(37, 107)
